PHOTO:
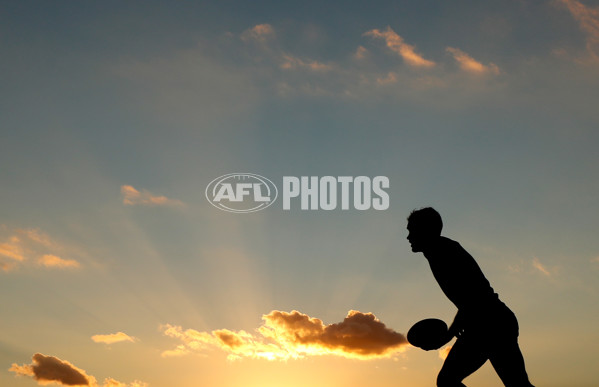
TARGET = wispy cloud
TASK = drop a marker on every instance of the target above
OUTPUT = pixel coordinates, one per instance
(534, 266)
(390, 78)
(396, 44)
(11, 253)
(110, 382)
(291, 62)
(293, 335)
(264, 33)
(53, 261)
(40, 237)
(49, 369)
(179, 350)
(260, 32)
(543, 269)
(265, 58)
(360, 53)
(588, 20)
(470, 65)
(113, 338)
(134, 197)
(27, 246)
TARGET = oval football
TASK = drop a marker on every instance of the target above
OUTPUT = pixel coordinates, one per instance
(430, 333)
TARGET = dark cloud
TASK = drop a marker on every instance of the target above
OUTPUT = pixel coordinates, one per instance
(49, 369)
(292, 335)
(360, 334)
(52, 369)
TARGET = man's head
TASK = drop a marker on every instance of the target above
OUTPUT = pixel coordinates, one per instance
(424, 228)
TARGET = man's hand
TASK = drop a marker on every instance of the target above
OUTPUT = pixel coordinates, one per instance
(457, 327)
(455, 332)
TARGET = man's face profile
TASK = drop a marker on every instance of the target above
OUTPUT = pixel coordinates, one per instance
(417, 237)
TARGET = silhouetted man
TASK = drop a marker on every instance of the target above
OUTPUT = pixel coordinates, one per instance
(485, 327)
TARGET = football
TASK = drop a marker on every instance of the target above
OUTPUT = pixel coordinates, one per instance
(428, 334)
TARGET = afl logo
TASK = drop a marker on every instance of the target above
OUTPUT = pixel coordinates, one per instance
(241, 192)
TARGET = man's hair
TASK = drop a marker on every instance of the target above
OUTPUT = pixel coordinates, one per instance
(427, 219)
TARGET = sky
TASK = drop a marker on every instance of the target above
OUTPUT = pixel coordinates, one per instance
(116, 271)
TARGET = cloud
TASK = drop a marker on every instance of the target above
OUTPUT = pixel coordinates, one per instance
(396, 44)
(260, 33)
(360, 334)
(293, 335)
(291, 62)
(264, 32)
(470, 65)
(11, 253)
(516, 267)
(113, 338)
(49, 369)
(133, 197)
(588, 19)
(109, 382)
(549, 272)
(53, 261)
(527, 267)
(23, 246)
(265, 64)
(38, 236)
(360, 53)
(390, 78)
(180, 350)
(46, 369)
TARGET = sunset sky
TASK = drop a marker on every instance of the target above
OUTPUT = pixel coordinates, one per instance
(115, 271)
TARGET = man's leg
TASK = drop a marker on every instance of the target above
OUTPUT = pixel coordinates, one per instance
(504, 351)
(508, 362)
(463, 359)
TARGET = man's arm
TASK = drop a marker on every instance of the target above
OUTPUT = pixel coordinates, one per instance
(457, 326)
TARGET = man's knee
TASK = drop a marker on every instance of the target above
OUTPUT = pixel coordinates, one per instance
(448, 379)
